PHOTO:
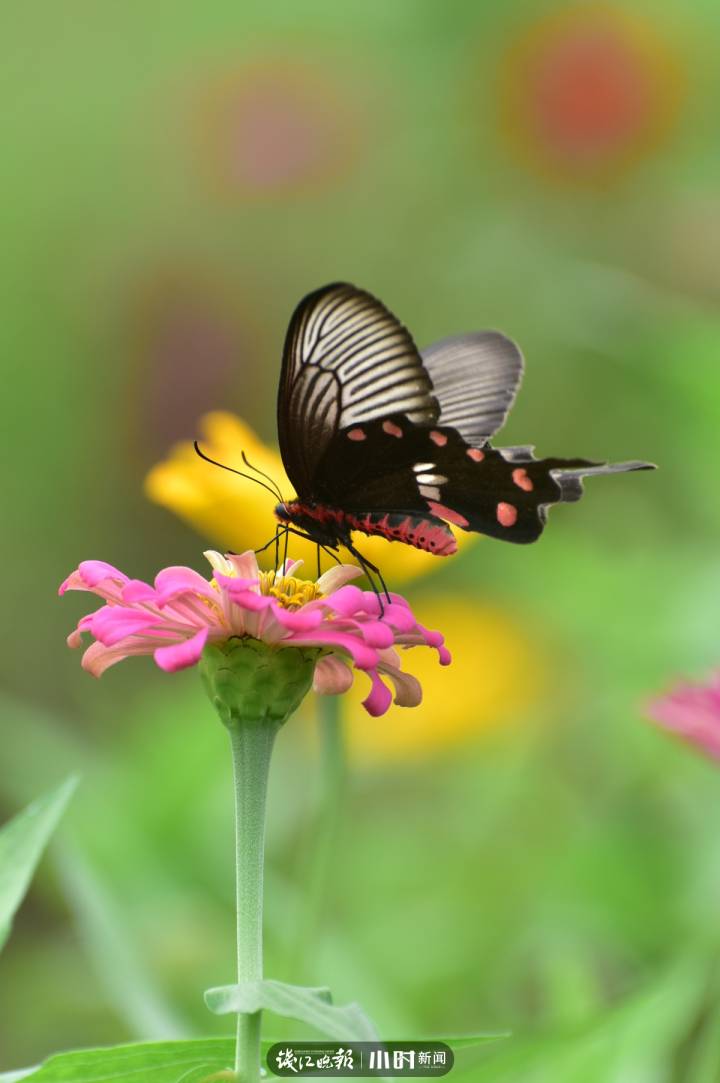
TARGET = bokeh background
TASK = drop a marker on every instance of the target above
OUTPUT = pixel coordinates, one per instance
(525, 851)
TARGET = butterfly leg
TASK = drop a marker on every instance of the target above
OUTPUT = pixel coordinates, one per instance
(330, 553)
(367, 567)
(276, 540)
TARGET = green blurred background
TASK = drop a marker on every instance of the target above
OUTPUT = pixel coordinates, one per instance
(174, 178)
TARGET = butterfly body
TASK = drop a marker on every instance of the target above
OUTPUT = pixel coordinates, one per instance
(334, 526)
(381, 439)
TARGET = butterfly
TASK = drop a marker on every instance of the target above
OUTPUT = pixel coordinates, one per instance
(381, 438)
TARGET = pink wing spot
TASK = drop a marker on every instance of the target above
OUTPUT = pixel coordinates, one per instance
(521, 479)
(447, 513)
(357, 434)
(475, 454)
(506, 514)
(438, 438)
(391, 429)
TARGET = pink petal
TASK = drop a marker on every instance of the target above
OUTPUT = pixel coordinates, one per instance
(135, 592)
(376, 634)
(363, 656)
(181, 655)
(175, 581)
(332, 677)
(241, 596)
(297, 620)
(436, 640)
(302, 619)
(232, 584)
(379, 698)
(113, 623)
(95, 571)
(245, 564)
(97, 658)
(347, 601)
(96, 576)
(399, 617)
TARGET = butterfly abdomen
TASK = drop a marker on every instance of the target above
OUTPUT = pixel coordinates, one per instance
(331, 526)
(429, 534)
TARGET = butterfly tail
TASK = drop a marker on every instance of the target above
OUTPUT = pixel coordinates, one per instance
(570, 479)
(507, 492)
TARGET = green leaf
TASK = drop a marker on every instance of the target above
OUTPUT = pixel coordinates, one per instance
(144, 1062)
(129, 985)
(312, 1006)
(15, 1077)
(22, 842)
(466, 1041)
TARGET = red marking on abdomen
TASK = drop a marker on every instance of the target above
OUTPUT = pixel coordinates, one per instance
(438, 438)
(435, 538)
(391, 429)
(356, 434)
(447, 513)
(521, 479)
(506, 514)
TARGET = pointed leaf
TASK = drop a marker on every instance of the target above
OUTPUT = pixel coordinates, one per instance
(312, 1006)
(466, 1041)
(142, 1062)
(129, 985)
(22, 842)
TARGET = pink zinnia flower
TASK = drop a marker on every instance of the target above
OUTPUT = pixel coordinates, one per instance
(175, 619)
(693, 712)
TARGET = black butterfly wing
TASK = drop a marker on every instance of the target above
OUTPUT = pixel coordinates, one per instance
(475, 379)
(373, 429)
(506, 493)
(347, 361)
(429, 475)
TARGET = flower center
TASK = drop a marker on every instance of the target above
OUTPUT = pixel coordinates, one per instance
(289, 591)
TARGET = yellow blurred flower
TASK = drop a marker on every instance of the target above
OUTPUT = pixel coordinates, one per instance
(236, 514)
(496, 675)
(588, 91)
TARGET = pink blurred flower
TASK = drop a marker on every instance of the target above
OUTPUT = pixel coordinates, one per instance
(693, 712)
(174, 619)
(279, 125)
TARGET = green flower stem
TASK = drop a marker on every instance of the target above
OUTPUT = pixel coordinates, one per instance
(254, 687)
(252, 744)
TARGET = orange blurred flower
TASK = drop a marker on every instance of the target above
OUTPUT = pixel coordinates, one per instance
(236, 514)
(589, 91)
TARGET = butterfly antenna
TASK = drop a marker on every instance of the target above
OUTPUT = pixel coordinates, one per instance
(262, 474)
(232, 469)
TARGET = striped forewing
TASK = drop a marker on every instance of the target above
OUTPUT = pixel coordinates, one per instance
(347, 361)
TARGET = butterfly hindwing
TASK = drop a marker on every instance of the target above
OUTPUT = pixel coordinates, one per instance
(430, 474)
(475, 379)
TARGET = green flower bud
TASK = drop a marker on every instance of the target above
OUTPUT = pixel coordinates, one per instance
(251, 681)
